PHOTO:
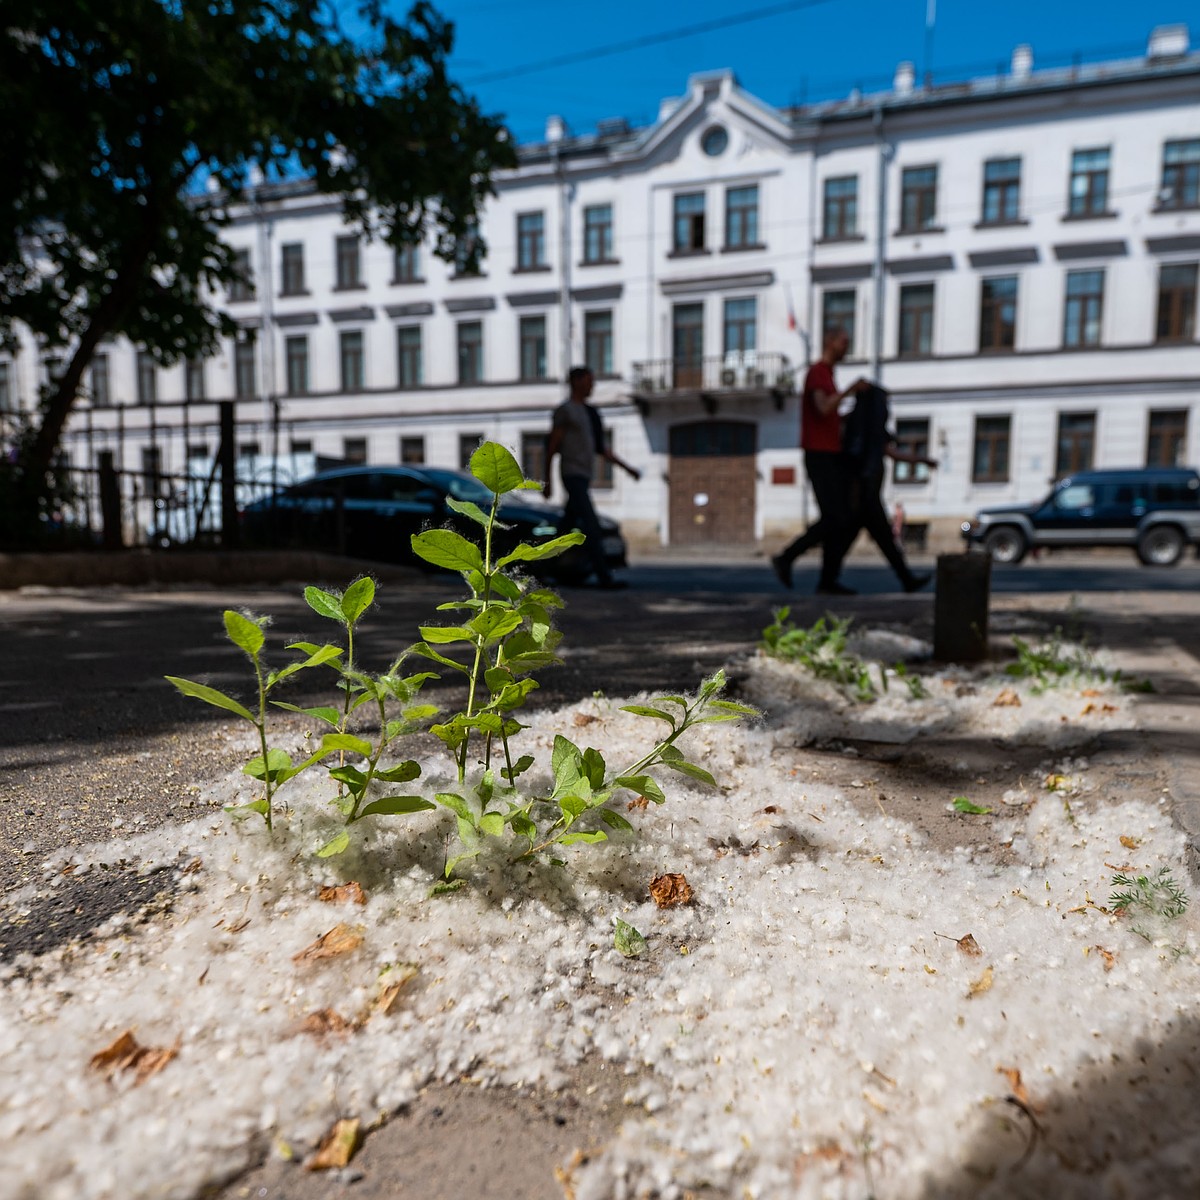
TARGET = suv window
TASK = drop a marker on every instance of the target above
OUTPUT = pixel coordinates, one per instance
(1174, 491)
(1074, 497)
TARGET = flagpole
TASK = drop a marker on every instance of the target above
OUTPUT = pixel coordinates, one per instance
(930, 21)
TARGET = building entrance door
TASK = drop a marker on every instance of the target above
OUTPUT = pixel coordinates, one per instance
(712, 473)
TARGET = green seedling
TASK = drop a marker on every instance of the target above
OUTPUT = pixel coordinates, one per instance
(627, 940)
(821, 650)
(1054, 661)
(1145, 898)
(963, 805)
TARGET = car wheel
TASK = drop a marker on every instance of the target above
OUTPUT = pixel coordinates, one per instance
(1006, 544)
(1160, 546)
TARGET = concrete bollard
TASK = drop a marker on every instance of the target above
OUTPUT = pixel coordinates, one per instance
(960, 607)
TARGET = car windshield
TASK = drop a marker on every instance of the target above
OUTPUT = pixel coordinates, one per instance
(460, 486)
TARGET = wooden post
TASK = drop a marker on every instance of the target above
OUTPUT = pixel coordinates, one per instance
(227, 457)
(960, 607)
(110, 502)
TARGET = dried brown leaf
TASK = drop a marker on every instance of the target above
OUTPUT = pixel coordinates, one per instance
(1007, 699)
(238, 926)
(192, 867)
(341, 939)
(344, 893)
(968, 945)
(981, 985)
(582, 718)
(670, 890)
(1109, 957)
(322, 1022)
(1019, 1092)
(391, 983)
(1087, 709)
(1130, 843)
(127, 1054)
(338, 1147)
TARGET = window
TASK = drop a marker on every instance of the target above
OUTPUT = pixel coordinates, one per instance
(245, 380)
(687, 344)
(348, 261)
(1001, 191)
(1181, 175)
(147, 379)
(295, 352)
(741, 218)
(354, 450)
(412, 451)
(741, 325)
(1176, 303)
(840, 218)
(998, 313)
(714, 141)
(406, 264)
(242, 288)
(466, 253)
(916, 320)
(1076, 443)
(292, 269)
(918, 199)
(990, 463)
(533, 455)
(1085, 300)
(1089, 183)
(597, 234)
(532, 339)
(468, 443)
(838, 310)
(912, 437)
(196, 451)
(531, 241)
(351, 347)
(7, 403)
(101, 392)
(598, 342)
(688, 235)
(408, 351)
(193, 380)
(248, 450)
(470, 352)
(300, 446)
(1166, 437)
(152, 468)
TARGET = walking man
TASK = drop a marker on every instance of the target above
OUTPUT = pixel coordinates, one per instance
(821, 441)
(577, 436)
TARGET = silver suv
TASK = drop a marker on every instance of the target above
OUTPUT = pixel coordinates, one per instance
(1153, 510)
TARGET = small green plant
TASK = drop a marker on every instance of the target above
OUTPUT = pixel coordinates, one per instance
(1054, 661)
(504, 634)
(1147, 897)
(821, 650)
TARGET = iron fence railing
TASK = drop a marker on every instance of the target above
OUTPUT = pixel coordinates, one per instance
(736, 371)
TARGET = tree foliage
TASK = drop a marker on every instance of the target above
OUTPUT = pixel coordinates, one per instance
(135, 126)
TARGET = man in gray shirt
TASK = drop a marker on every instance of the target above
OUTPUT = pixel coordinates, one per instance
(577, 436)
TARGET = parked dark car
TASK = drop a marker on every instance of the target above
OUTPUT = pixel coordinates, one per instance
(372, 512)
(1153, 510)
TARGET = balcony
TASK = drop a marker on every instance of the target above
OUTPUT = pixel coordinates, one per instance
(736, 375)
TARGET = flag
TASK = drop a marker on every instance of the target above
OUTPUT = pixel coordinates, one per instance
(791, 312)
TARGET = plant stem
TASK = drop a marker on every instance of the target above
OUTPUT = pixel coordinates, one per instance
(261, 725)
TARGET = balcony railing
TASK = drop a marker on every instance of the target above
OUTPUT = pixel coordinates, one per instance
(736, 371)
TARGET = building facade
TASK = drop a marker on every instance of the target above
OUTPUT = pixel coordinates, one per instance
(1015, 259)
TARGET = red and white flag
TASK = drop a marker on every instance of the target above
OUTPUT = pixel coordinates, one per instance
(791, 312)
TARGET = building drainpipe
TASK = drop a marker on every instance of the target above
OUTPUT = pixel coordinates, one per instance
(564, 227)
(880, 247)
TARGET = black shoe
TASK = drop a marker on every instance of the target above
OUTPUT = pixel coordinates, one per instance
(914, 583)
(611, 585)
(835, 589)
(782, 569)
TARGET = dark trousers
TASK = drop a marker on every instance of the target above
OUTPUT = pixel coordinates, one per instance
(867, 512)
(828, 473)
(579, 514)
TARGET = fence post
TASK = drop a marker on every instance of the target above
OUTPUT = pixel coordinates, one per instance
(110, 502)
(960, 607)
(227, 459)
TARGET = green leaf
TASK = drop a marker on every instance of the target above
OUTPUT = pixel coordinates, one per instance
(963, 805)
(358, 597)
(350, 775)
(324, 604)
(239, 812)
(468, 509)
(428, 652)
(329, 715)
(247, 635)
(644, 710)
(628, 940)
(524, 552)
(593, 767)
(492, 823)
(595, 835)
(572, 806)
(504, 586)
(614, 820)
(391, 806)
(732, 706)
(346, 741)
(211, 696)
(444, 635)
(445, 548)
(277, 760)
(521, 765)
(644, 785)
(445, 886)
(494, 623)
(456, 804)
(671, 757)
(406, 771)
(335, 845)
(522, 825)
(495, 467)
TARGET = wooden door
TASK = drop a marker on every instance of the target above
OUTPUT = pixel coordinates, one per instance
(712, 473)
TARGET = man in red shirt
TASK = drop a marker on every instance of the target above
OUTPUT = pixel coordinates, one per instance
(821, 441)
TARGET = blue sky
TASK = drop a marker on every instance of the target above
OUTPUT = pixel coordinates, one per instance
(817, 50)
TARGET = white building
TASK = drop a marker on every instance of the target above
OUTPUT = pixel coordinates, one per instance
(1015, 257)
